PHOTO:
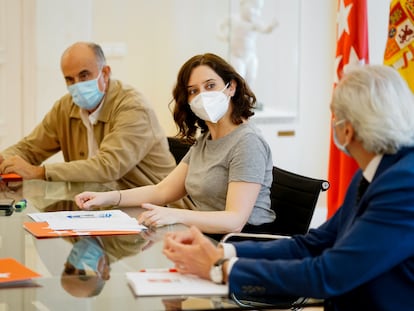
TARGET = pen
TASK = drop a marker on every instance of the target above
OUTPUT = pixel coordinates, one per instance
(106, 215)
(159, 270)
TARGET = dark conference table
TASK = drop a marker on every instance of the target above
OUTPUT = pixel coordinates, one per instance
(47, 257)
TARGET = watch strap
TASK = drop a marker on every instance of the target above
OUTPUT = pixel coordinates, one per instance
(219, 265)
(220, 262)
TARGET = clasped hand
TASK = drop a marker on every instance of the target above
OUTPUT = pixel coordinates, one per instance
(191, 252)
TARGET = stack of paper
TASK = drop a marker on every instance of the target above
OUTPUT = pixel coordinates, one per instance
(172, 283)
(74, 223)
(13, 273)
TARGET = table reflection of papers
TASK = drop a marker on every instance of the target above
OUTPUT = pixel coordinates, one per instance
(198, 303)
(106, 220)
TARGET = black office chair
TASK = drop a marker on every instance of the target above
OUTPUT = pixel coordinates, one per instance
(178, 147)
(293, 198)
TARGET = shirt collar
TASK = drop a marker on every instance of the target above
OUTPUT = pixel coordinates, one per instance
(371, 168)
(93, 117)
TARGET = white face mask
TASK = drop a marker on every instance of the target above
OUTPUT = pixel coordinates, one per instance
(210, 106)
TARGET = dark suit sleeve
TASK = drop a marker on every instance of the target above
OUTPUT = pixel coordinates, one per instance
(346, 252)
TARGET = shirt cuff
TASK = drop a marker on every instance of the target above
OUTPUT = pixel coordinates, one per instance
(229, 250)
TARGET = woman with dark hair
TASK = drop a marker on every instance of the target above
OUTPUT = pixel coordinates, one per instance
(228, 170)
(243, 99)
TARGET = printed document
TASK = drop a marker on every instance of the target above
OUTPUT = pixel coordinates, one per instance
(172, 283)
(105, 220)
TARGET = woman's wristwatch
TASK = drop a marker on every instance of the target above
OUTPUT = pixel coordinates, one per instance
(217, 272)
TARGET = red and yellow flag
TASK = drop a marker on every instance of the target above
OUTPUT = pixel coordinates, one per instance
(352, 48)
(399, 52)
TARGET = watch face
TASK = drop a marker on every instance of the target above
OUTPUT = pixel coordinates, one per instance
(216, 274)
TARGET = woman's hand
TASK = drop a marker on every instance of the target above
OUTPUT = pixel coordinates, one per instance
(156, 216)
(89, 200)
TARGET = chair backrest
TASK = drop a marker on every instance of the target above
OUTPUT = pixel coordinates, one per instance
(294, 199)
(178, 147)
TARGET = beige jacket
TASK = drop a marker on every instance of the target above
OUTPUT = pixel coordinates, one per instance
(133, 149)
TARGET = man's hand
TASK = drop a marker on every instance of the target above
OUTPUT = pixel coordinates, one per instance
(191, 252)
(16, 164)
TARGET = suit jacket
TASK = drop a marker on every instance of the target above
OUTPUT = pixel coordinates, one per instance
(362, 258)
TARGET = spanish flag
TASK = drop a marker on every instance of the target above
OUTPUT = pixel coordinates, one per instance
(399, 51)
(352, 48)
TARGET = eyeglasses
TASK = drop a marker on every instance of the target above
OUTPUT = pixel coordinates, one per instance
(336, 123)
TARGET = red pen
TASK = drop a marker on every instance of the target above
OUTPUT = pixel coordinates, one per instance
(159, 270)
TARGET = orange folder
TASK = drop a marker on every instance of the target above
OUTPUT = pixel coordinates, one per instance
(42, 230)
(13, 273)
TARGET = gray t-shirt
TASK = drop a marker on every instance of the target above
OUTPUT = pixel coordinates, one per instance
(242, 155)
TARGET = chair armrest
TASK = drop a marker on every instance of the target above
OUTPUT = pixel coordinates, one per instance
(253, 236)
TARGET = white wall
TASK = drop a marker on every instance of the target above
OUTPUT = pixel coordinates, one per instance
(378, 13)
(154, 43)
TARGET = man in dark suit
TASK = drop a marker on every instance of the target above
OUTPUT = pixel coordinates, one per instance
(363, 257)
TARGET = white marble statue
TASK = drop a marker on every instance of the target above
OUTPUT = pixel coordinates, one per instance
(241, 31)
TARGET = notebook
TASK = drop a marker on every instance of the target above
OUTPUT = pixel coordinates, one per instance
(77, 223)
(172, 283)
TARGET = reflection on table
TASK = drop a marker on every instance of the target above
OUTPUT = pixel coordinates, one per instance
(88, 265)
(83, 273)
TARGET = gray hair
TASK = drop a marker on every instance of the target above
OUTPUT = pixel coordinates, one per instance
(96, 49)
(378, 103)
(99, 54)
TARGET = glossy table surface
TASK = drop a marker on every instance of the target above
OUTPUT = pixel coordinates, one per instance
(47, 257)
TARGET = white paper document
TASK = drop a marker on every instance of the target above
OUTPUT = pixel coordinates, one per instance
(172, 283)
(107, 220)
